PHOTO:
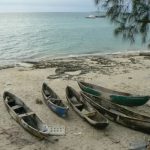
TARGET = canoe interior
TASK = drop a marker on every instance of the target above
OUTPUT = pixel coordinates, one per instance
(20, 110)
(52, 96)
(57, 102)
(82, 106)
(33, 121)
(49, 93)
(116, 109)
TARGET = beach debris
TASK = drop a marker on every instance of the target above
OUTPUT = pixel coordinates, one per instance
(51, 139)
(57, 130)
(38, 101)
(144, 53)
(116, 141)
(21, 69)
(6, 67)
(139, 145)
(53, 77)
(125, 71)
(147, 57)
(74, 73)
(60, 70)
(106, 133)
(104, 61)
(78, 133)
(68, 68)
(113, 139)
(7, 84)
(133, 60)
(30, 62)
(25, 65)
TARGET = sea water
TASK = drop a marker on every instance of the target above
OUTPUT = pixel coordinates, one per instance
(26, 36)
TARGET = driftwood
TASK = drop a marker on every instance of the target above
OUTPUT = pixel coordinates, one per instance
(144, 53)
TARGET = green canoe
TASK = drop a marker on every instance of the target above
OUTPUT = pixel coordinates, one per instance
(121, 98)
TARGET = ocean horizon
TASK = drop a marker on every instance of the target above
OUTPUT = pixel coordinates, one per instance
(33, 36)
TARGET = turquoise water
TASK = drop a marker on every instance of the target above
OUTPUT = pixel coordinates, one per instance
(25, 36)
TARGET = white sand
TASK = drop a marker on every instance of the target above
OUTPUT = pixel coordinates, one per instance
(26, 83)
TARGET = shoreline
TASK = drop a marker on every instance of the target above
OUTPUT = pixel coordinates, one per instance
(14, 63)
(127, 73)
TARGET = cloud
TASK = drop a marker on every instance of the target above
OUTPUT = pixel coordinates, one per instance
(46, 5)
(48, 2)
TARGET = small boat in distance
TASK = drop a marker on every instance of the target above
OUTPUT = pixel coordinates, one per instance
(121, 98)
(53, 101)
(25, 116)
(85, 110)
(91, 17)
(100, 16)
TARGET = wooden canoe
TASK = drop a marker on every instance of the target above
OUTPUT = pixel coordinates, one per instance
(119, 114)
(120, 98)
(25, 116)
(84, 109)
(53, 101)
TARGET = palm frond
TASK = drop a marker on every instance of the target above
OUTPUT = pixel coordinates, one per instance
(131, 17)
(97, 2)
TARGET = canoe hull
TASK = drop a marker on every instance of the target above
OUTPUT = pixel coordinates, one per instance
(97, 124)
(60, 111)
(126, 120)
(129, 100)
(20, 120)
(120, 98)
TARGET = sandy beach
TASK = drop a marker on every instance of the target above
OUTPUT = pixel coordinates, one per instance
(128, 73)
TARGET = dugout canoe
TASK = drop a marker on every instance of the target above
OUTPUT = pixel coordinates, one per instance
(84, 109)
(117, 97)
(53, 101)
(119, 114)
(25, 116)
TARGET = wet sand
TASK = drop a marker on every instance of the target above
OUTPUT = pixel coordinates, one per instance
(128, 73)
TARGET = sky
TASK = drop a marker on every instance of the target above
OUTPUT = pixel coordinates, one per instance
(47, 5)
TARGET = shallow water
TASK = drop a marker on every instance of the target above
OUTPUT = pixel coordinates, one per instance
(25, 36)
